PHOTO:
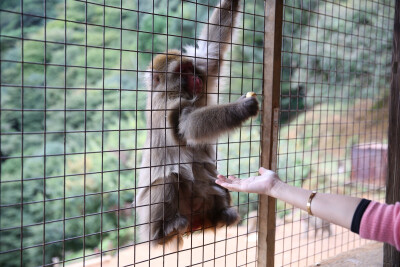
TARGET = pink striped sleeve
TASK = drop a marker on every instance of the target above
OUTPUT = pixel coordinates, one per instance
(381, 222)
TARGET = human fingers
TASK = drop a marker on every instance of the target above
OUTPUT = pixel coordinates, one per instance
(228, 185)
(232, 177)
(261, 170)
(222, 178)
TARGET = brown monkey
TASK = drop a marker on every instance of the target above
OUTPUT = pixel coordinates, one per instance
(177, 192)
(314, 223)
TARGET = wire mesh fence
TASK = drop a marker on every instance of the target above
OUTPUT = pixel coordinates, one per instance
(335, 85)
(73, 126)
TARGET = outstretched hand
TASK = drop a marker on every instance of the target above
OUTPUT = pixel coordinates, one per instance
(263, 184)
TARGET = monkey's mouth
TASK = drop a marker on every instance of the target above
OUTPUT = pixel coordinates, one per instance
(195, 84)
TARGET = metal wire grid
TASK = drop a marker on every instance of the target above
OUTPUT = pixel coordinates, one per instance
(72, 129)
(336, 60)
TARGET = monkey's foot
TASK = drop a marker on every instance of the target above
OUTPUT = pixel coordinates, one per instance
(228, 216)
(178, 225)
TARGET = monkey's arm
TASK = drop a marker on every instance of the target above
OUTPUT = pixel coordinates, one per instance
(202, 125)
(215, 36)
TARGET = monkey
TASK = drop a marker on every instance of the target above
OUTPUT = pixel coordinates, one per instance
(176, 192)
(315, 223)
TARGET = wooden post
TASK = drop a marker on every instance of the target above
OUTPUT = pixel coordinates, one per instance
(391, 256)
(270, 116)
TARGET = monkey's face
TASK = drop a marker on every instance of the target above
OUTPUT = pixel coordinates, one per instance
(189, 77)
(176, 74)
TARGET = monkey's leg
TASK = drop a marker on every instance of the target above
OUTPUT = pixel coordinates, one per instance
(222, 212)
(216, 205)
(167, 222)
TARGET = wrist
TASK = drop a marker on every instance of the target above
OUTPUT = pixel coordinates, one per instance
(276, 188)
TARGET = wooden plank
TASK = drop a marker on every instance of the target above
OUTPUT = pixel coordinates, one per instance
(270, 116)
(391, 257)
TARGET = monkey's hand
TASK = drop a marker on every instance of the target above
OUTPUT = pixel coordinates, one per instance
(248, 105)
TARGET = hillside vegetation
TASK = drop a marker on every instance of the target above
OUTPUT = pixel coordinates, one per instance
(81, 117)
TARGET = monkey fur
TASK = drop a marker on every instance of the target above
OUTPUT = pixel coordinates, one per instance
(177, 193)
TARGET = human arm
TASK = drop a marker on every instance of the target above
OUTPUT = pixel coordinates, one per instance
(370, 219)
(381, 222)
(338, 209)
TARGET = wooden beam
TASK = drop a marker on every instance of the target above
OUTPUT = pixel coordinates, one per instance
(270, 117)
(391, 257)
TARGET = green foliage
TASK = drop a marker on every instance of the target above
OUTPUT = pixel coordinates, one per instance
(103, 126)
(346, 55)
(343, 56)
(83, 188)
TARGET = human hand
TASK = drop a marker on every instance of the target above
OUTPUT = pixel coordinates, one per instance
(266, 183)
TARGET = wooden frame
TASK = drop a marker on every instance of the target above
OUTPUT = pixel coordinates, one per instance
(270, 123)
(391, 256)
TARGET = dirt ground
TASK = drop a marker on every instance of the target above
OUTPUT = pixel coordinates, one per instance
(294, 247)
(370, 255)
(234, 247)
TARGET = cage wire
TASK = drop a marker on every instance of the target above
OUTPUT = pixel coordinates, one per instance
(73, 125)
(335, 84)
(73, 128)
